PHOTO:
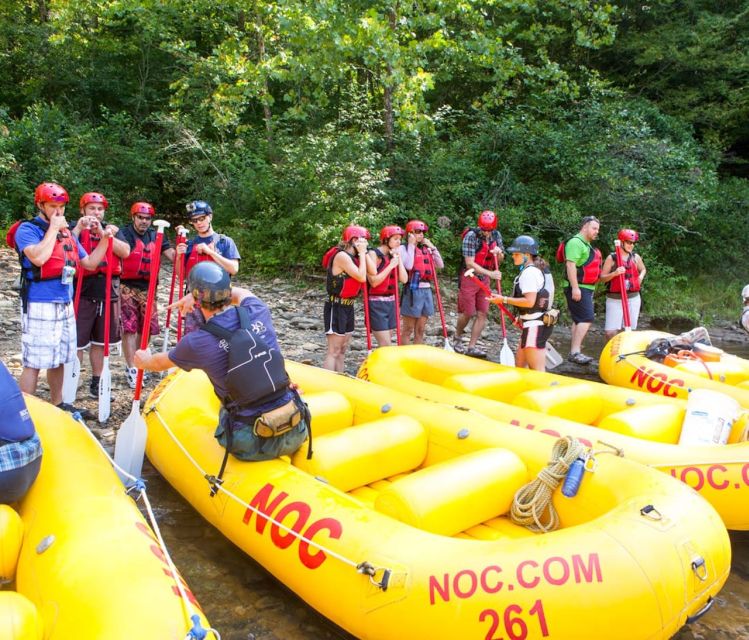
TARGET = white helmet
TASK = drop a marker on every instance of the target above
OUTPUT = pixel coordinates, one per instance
(745, 292)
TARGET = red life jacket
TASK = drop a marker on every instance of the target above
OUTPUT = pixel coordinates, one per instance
(89, 242)
(422, 264)
(483, 258)
(137, 266)
(387, 286)
(590, 270)
(64, 252)
(193, 259)
(631, 276)
(342, 285)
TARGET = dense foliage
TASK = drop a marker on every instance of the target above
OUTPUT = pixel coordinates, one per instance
(294, 118)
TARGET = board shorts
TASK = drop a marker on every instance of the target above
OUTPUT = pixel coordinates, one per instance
(133, 311)
(471, 297)
(338, 318)
(417, 303)
(382, 313)
(581, 311)
(90, 322)
(48, 334)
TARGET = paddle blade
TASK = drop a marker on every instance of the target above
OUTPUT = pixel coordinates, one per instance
(553, 359)
(130, 446)
(105, 392)
(506, 356)
(448, 346)
(71, 379)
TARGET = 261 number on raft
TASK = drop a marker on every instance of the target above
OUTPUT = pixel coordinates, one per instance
(511, 621)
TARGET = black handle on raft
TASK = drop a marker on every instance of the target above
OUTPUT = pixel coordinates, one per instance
(701, 612)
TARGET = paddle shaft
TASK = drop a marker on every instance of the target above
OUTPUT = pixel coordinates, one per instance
(365, 293)
(437, 293)
(499, 292)
(153, 278)
(396, 293)
(181, 239)
(488, 292)
(181, 261)
(108, 299)
(623, 286)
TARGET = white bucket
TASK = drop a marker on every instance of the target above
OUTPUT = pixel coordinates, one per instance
(709, 418)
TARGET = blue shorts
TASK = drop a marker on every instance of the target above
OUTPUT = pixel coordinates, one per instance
(417, 303)
(381, 314)
(581, 311)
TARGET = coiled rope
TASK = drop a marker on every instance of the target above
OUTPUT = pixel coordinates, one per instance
(532, 506)
(196, 631)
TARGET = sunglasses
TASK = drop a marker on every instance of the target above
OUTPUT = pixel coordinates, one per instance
(198, 220)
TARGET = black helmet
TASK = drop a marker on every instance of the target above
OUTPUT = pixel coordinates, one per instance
(524, 244)
(198, 208)
(209, 284)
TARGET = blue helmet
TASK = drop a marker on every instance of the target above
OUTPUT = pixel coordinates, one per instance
(209, 284)
(524, 244)
(198, 208)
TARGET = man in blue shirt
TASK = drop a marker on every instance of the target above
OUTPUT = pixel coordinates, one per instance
(207, 245)
(273, 425)
(50, 256)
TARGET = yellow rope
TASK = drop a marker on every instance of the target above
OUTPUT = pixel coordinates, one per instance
(533, 501)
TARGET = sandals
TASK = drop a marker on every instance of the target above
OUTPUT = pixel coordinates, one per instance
(475, 353)
(579, 358)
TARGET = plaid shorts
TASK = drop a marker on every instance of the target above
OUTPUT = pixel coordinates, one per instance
(48, 334)
(133, 311)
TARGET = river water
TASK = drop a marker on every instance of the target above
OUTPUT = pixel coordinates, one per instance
(244, 602)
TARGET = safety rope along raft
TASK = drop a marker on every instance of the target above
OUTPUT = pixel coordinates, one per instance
(532, 506)
(196, 632)
(363, 567)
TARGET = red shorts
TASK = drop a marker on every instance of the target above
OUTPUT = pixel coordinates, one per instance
(134, 311)
(471, 297)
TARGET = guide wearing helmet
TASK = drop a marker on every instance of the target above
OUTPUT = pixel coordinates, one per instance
(50, 256)
(382, 285)
(91, 317)
(261, 417)
(140, 236)
(483, 251)
(532, 296)
(420, 259)
(347, 266)
(633, 269)
(206, 245)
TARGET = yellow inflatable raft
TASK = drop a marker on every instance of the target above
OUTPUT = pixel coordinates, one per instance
(397, 528)
(643, 427)
(90, 568)
(623, 363)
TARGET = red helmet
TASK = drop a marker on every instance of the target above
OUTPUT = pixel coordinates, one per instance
(389, 231)
(92, 196)
(50, 192)
(412, 226)
(628, 235)
(142, 208)
(487, 220)
(355, 231)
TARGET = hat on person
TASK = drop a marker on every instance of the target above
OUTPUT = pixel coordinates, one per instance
(745, 292)
(198, 208)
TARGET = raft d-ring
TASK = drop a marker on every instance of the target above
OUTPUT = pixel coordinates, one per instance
(699, 566)
(591, 463)
(367, 569)
(651, 512)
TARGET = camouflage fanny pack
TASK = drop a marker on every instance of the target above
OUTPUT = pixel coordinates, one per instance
(278, 421)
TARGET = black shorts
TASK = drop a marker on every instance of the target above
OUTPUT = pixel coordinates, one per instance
(581, 311)
(535, 337)
(90, 322)
(338, 318)
(382, 314)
